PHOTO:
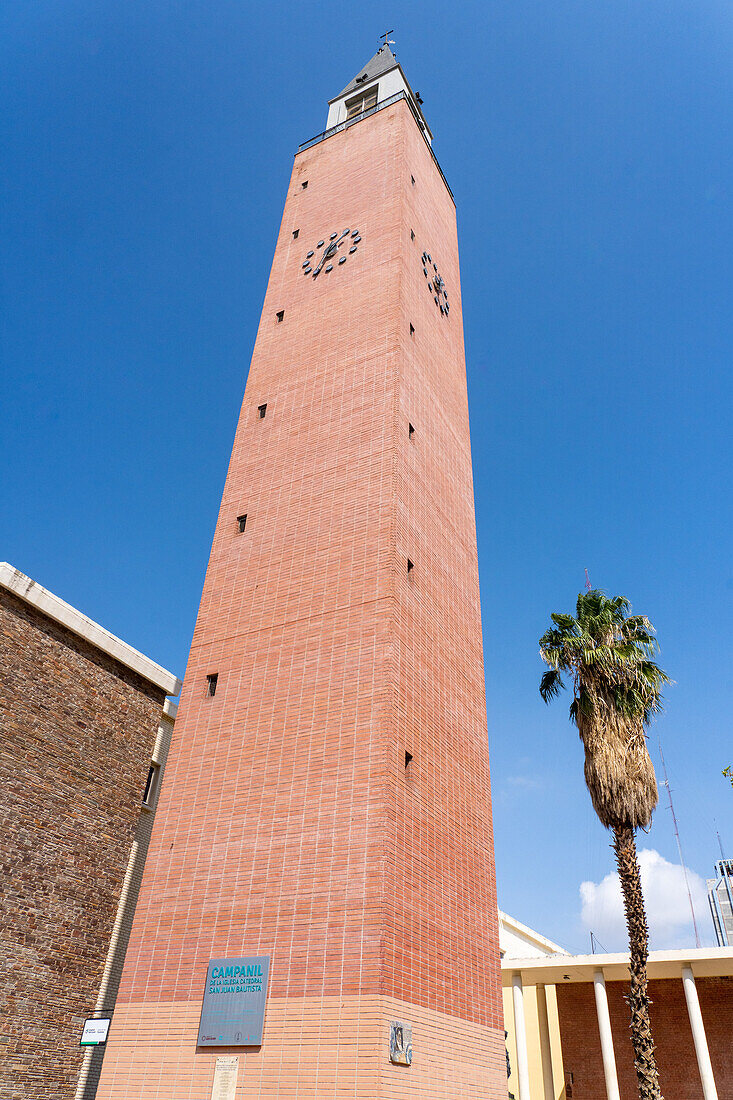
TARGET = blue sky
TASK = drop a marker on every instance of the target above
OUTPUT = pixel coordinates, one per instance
(146, 152)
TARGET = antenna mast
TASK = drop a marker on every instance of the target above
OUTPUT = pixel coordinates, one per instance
(720, 842)
(679, 846)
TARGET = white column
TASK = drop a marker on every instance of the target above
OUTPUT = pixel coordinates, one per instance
(123, 905)
(604, 1026)
(709, 1090)
(548, 1085)
(520, 1034)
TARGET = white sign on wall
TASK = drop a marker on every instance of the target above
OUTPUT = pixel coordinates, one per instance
(95, 1032)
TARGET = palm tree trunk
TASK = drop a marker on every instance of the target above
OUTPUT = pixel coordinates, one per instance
(624, 846)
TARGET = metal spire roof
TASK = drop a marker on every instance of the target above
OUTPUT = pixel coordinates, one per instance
(381, 63)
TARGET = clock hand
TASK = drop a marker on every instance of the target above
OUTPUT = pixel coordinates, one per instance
(326, 253)
(329, 251)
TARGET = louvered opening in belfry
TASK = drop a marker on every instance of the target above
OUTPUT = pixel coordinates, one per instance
(363, 102)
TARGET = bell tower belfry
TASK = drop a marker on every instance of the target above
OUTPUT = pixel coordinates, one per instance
(324, 825)
(380, 79)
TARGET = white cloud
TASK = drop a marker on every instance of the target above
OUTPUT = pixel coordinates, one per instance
(665, 897)
(524, 782)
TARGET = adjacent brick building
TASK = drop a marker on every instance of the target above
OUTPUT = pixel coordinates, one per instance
(80, 716)
(327, 801)
(677, 1062)
(568, 1024)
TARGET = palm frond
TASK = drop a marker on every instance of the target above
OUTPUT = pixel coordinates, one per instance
(551, 684)
(566, 623)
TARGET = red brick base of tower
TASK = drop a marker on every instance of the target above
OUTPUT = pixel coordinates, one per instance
(314, 1047)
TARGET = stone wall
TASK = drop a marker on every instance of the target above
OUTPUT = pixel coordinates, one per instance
(76, 734)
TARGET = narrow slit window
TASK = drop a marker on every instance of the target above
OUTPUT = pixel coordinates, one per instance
(211, 681)
(410, 431)
(410, 565)
(412, 234)
(412, 329)
(408, 760)
(262, 409)
(280, 314)
(151, 784)
(412, 180)
(304, 184)
(241, 524)
(295, 234)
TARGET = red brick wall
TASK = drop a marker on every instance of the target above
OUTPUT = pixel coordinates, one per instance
(676, 1061)
(287, 825)
(76, 731)
(440, 947)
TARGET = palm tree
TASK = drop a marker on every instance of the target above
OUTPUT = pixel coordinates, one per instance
(607, 653)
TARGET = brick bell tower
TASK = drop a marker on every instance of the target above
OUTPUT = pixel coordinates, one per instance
(326, 803)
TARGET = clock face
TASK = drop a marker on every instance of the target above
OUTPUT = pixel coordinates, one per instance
(331, 253)
(435, 283)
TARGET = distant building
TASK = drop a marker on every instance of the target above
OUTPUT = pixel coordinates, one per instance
(720, 897)
(84, 730)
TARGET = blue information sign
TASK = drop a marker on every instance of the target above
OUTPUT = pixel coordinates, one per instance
(233, 1011)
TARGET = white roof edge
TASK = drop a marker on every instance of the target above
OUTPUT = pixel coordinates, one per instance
(170, 709)
(671, 954)
(525, 930)
(704, 961)
(26, 589)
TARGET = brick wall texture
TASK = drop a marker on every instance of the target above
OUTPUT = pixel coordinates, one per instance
(287, 823)
(76, 732)
(107, 997)
(676, 1061)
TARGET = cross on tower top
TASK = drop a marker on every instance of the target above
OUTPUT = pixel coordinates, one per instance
(387, 40)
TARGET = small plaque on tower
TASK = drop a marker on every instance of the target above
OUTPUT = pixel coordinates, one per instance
(225, 1079)
(400, 1043)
